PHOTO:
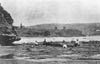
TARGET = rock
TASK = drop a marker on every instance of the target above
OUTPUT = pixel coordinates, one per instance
(7, 32)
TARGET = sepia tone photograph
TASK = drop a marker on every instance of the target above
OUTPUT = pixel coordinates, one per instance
(49, 32)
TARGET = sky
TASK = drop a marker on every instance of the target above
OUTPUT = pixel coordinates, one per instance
(33, 12)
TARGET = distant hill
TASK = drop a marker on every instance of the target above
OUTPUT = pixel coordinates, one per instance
(61, 30)
(86, 28)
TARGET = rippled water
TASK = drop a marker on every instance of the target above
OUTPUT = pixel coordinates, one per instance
(51, 62)
(33, 39)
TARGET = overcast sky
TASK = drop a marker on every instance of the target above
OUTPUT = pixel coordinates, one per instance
(32, 12)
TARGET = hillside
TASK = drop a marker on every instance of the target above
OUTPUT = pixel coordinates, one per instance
(63, 30)
(86, 28)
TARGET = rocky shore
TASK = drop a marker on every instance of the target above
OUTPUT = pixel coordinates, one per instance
(7, 32)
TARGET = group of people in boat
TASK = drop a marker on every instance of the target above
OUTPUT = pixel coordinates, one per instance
(63, 44)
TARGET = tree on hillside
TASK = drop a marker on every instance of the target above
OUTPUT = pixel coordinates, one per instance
(55, 28)
(46, 33)
(64, 28)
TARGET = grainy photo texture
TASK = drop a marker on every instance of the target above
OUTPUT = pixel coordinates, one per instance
(49, 32)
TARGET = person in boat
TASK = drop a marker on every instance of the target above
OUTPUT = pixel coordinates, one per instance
(77, 42)
(63, 41)
(36, 43)
(44, 42)
(64, 46)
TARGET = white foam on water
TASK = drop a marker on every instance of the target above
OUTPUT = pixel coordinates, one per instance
(43, 60)
(40, 39)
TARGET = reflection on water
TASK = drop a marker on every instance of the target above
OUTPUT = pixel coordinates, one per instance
(13, 61)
